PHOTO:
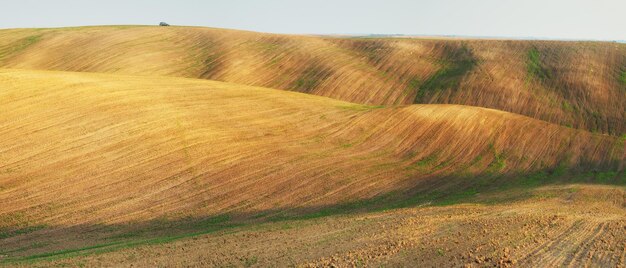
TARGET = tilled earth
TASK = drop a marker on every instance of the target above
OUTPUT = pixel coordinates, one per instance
(570, 226)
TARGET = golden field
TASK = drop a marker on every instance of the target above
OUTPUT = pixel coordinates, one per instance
(121, 145)
(576, 84)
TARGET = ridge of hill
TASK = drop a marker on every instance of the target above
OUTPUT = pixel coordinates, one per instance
(576, 84)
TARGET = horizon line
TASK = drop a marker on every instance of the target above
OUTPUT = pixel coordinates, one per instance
(357, 35)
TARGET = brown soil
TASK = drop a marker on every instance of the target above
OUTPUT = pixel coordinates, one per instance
(573, 228)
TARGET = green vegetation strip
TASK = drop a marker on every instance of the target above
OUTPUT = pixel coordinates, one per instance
(521, 185)
(310, 78)
(19, 45)
(360, 107)
(29, 229)
(535, 66)
(468, 193)
(118, 245)
(458, 63)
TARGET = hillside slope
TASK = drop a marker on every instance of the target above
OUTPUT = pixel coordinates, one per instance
(571, 226)
(81, 148)
(576, 84)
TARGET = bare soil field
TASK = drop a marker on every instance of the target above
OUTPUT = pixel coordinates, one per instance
(568, 226)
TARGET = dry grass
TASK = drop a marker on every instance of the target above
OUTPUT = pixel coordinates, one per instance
(576, 84)
(94, 148)
(133, 153)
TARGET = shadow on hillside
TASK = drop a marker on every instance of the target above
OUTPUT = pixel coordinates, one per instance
(53, 242)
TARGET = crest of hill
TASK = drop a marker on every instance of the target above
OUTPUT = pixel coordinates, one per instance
(575, 84)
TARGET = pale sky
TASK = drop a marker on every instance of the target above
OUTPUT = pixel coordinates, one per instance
(554, 19)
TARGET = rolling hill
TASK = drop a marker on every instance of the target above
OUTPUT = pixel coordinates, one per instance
(94, 148)
(210, 147)
(576, 84)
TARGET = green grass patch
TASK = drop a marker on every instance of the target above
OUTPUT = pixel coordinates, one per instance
(560, 170)
(359, 107)
(457, 64)
(604, 177)
(456, 197)
(334, 210)
(621, 142)
(310, 79)
(21, 231)
(413, 85)
(210, 65)
(208, 226)
(424, 163)
(622, 78)
(534, 65)
(346, 145)
(68, 252)
(566, 106)
(415, 199)
(212, 221)
(388, 201)
(498, 162)
(19, 45)
(31, 246)
(496, 165)
(534, 179)
(127, 235)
